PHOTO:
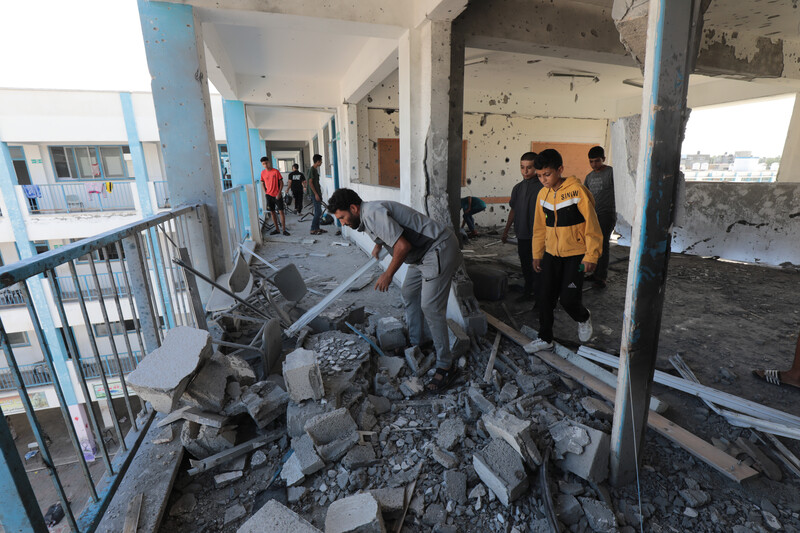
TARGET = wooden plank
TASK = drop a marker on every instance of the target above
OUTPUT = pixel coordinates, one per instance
(487, 376)
(173, 416)
(132, 516)
(705, 451)
(231, 453)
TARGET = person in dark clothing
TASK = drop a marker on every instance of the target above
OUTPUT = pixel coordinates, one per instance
(600, 182)
(523, 209)
(297, 184)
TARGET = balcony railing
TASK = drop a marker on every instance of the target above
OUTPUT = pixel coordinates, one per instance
(144, 246)
(162, 194)
(79, 197)
(10, 297)
(235, 202)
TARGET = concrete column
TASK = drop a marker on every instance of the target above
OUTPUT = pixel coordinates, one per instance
(36, 287)
(137, 155)
(176, 60)
(257, 151)
(349, 155)
(105, 412)
(238, 139)
(790, 160)
(431, 75)
(674, 29)
(20, 511)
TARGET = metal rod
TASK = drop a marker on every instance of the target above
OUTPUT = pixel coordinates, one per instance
(62, 401)
(252, 253)
(377, 350)
(169, 302)
(164, 295)
(235, 345)
(76, 359)
(172, 276)
(198, 313)
(35, 427)
(134, 316)
(96, 352)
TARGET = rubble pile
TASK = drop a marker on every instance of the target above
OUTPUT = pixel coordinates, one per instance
(362, 447)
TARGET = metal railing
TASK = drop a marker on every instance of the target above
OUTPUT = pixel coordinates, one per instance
(149, 244)
(33, 374)
(235, 202)
(162, 194)
(80, 197)
(11, 296)
(105, 287)
(758, 176)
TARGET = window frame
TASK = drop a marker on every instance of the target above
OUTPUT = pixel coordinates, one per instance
(74, 169)
(27, 341)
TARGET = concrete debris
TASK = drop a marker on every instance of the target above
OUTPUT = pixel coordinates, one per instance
(366, 416)
(297, 414)
(302, 376)
(413, 356)
(508, 392)
(584, 450)
(450, 432)
(695, 498)
(204, 441)
(237, 368)
(411, 387)
(307, 458)
(204, 418)
(226, 478)
(234, 513)
(274, 516)
(259, 458)
(517, 433)
(208, 388)
(358, 457)
(391, 334)
(455, 484)
(265, 401)
(444, 458)
(333, 433)
(355, 514)
(569, 510)
(162, 376)
(382, 405)
(480, 400)
(291, 472)
(459, 340)
(166, 436)
(391, 500)
(392, 365)
(500, 467)
(597, 408)
(598, 515)
(295, 494)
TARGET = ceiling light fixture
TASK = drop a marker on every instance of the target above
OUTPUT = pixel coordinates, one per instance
(476, 61)
(553, 74)
(634, 82)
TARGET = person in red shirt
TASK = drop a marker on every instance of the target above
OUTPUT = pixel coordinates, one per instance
(273, 183)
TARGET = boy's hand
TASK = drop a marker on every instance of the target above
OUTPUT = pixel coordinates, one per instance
(383, 282)
(537, 265)
(504, 238)
(376, 252)
(588, 268)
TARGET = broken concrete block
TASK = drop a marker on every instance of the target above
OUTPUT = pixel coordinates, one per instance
(391, 333)
(295, 494)
(297, 414)
(450, 432)
(207, 390)
(204, 441)
(307, 458)
(237, 368)
(455, 486)
(568, 509)
(391, 500)
(366, 416)
(357, 514)
(480, 400)
(597, 408)
(599, 516)
(382, 405)
(359, 456)
(516, 432)
(591, 463)
(413, 357)
(500, 467)
(302, 376)
(220, 480)
(234, 513)
(165, 436)
(333, 433)
(274, 516)
(161, 377)
(411, 387)
(393, 365)
(459, 340)
(488, 283)
(265, 401)
(291, 473)
(444, 458)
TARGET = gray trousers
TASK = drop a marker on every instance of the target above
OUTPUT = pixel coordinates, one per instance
(425, 292)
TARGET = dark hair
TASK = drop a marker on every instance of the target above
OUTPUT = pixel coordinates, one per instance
(265, 158)
(296, 166)
(342, 199)
(548, 158)
(528, 156)
(597, 151)
(317, 158)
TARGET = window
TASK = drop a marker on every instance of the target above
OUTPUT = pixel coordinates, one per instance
(117, 328)
(90, 162)
(100, 254)
(17, 339)
(41, 247)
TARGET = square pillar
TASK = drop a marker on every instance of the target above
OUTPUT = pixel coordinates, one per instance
(238, 140)
(176, 60)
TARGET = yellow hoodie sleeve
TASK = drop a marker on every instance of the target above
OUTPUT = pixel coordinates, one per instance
(593, 234)
(539, 228)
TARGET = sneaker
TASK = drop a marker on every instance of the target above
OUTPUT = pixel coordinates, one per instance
(585, 329)
(599, 284)
(274, 232)
(286, 233)
(538, 345)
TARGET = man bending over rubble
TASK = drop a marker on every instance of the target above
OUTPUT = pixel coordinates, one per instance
(432, 254)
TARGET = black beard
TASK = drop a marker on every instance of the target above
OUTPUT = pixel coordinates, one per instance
(355, 221)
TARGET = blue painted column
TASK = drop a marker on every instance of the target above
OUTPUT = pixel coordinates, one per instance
(335, 161)
(8, 183)
(176, 60)
(238, 139)
(19, 511)
(257, 151)
(143, 190)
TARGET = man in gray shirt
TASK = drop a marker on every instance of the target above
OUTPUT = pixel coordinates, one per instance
(432, 254)
(600, 182)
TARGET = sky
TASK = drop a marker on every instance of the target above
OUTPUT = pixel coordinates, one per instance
(97, 44)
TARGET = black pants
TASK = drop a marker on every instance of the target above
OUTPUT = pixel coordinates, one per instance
(607, 223)
(561, 280)
(298, 199)
(526, 262)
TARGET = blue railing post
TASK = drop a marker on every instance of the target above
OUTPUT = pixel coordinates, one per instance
(137, 154)
(237, 137)
(257, 151)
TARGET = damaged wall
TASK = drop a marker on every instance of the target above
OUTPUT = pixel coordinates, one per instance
(383, 124)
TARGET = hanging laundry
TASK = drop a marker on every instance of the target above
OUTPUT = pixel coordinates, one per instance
(94, 187)
(109, 186)
(32, 191)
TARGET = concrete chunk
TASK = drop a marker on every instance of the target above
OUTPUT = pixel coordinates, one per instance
(297, 414)
(592, 462)
(411, 387)
(444, 458)
(359, 456)
(599, 516)
(308, 459)
(355, 514)
(161, 377)
(237, 368)
(207, 390)
(459, 340)
(450, 432)
(391, 500)
(265, 401)
(499, 466)
(226, 478)
(393, 365)
(597, 408)
(516, 432)
(302, 376)
(205, 441)
(480, 400)
(455, 485)
(413, 357)
(333, 433)
(391, 334)
(292, 473)
(274, 516)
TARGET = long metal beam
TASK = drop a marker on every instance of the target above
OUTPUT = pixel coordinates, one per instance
(673, 30)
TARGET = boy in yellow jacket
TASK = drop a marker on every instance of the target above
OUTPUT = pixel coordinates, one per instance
(567, 242)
